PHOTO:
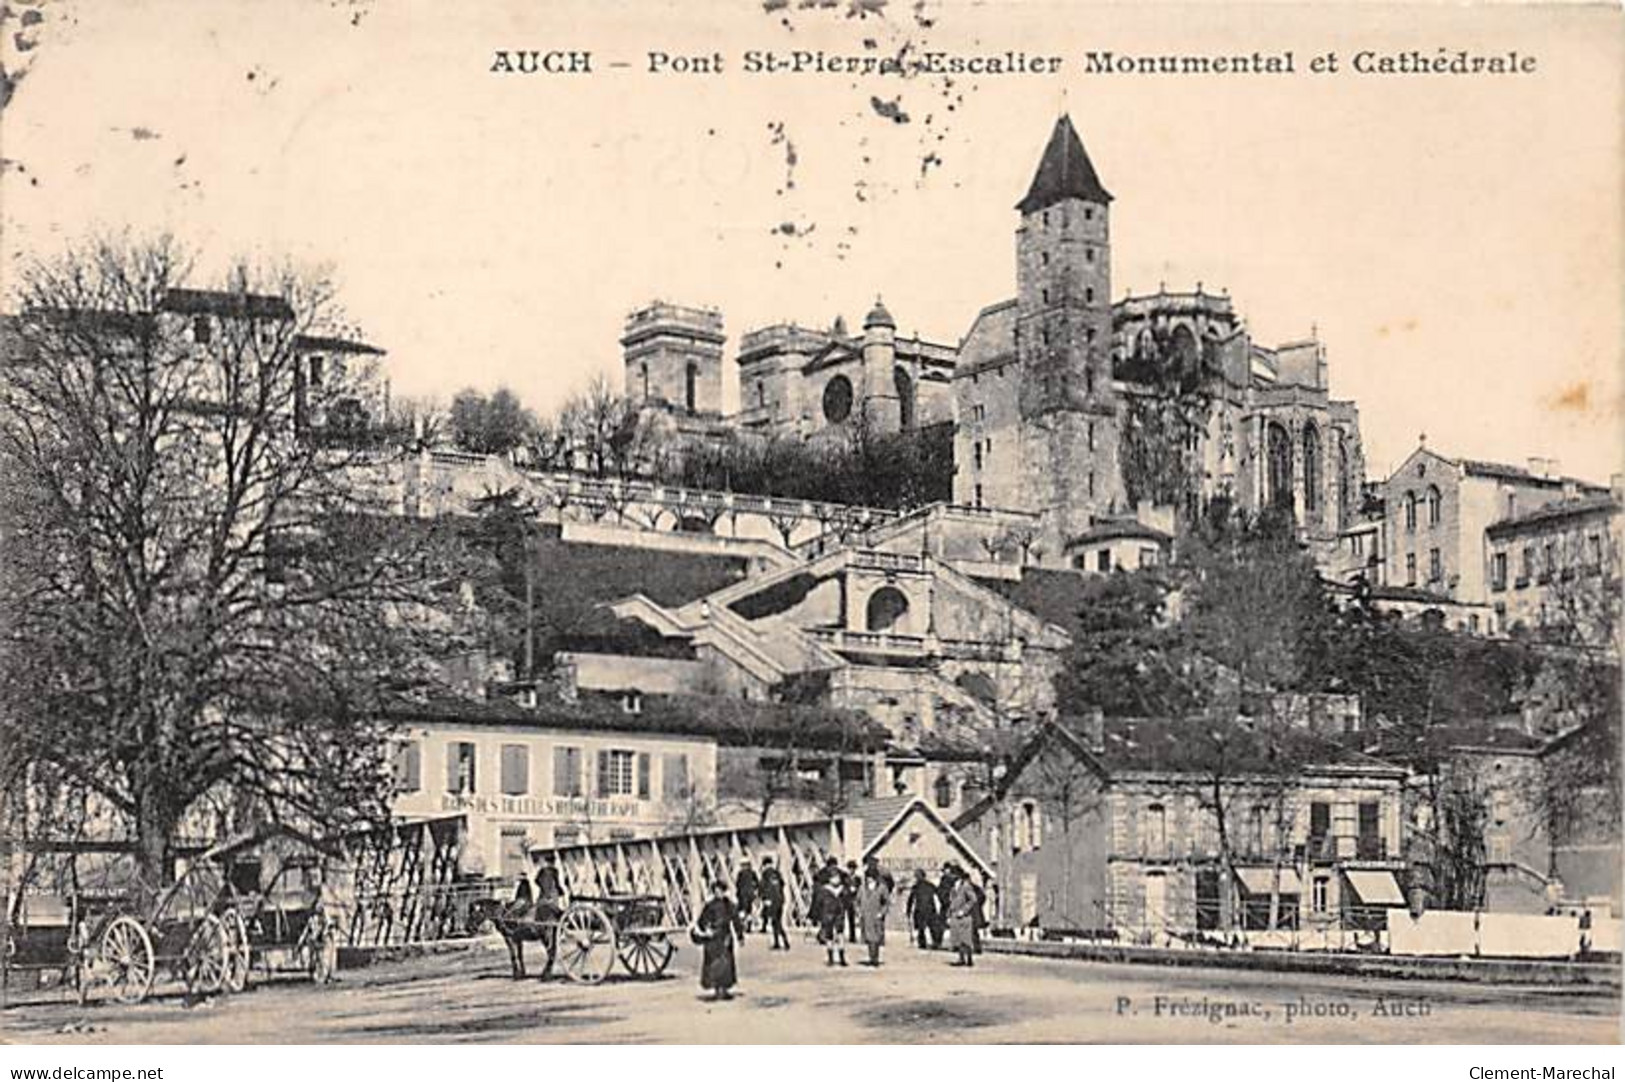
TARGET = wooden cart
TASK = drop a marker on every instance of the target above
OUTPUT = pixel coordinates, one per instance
(188, 929)
(288, 928)
(589, 934)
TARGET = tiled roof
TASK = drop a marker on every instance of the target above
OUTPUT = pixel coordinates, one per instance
(1117, 529)
(223, 303)
(306, 342)
(1192, 746)
(729, 721)
(1558, 509)
(1065, 172)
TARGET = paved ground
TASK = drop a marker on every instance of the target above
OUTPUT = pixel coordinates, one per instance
(791, 997)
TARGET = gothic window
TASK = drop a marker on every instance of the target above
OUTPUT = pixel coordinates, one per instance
(905, 397)
(1342, 481)
(1184, 356)
(1435, 505)
(837, 400)
(1311, 473)
(1410, 512)
(1278, 455)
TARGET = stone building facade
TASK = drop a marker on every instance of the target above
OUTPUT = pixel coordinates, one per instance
(1438, 510)
(1559, 564)
(1065, 404)
(1087, 831)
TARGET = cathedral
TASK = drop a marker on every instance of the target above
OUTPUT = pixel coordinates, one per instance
(1103, 419)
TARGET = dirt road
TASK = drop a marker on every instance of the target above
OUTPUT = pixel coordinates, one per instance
(467, 995)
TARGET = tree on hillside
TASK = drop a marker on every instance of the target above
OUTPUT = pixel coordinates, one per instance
(202, 608)
(489, 425)
(1125, 659)
(1256, 600)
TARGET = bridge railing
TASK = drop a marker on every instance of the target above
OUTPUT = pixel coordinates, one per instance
(680, 868)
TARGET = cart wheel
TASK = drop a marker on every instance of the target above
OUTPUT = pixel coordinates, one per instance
(586, 944)
(324, 956)
(239, 952)
(126, 960)
(208, 957)
(647, 955)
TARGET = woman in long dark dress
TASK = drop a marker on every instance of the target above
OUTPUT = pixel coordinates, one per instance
(715, 929)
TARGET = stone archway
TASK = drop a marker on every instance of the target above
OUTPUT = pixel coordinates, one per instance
(887, 608)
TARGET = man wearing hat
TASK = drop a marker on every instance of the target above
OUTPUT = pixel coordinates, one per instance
(770, 884)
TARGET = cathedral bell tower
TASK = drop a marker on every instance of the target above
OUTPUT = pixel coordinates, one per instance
(1063, 342)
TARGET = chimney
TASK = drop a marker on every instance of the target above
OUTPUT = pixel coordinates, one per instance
(1094, 729)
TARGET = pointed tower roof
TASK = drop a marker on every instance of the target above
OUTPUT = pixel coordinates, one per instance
(1064, 173)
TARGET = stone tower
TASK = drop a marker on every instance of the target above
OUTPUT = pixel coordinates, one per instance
(881, 404)
(673, 355)
(1063, 343)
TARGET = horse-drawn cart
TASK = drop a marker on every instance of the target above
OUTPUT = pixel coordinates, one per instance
(289, 929)
(586, 937)
(188, 929)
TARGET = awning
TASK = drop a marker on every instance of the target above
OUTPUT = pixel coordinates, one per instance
(1376, 888)
(1262, 880)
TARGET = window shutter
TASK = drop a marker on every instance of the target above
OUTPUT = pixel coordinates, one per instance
(674, 777)
(515, 769)
(408, 767)
(564, 770)
(453, 776)
(643, 775)
(603, 774)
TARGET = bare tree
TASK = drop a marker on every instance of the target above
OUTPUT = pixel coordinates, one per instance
(201, 599)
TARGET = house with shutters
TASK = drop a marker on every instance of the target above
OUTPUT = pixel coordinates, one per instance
(537, 771)
(1111, 827)
(526, 778)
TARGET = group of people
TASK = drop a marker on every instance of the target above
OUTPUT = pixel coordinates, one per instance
(849, 905)
(954, 906)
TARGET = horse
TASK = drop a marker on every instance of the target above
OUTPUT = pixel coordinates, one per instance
(519, 922)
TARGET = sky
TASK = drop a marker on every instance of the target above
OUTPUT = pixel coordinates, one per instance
(1454, 240)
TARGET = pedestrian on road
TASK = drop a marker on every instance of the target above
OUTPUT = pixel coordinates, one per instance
(945, 891)
(745, 886)
(872, 864)
(873, 902)
(771, 885)
(549, 890)
(962, 921)
(829, 912)
(849, 895)
(922, 911)
(979, 916)
(715, 932)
